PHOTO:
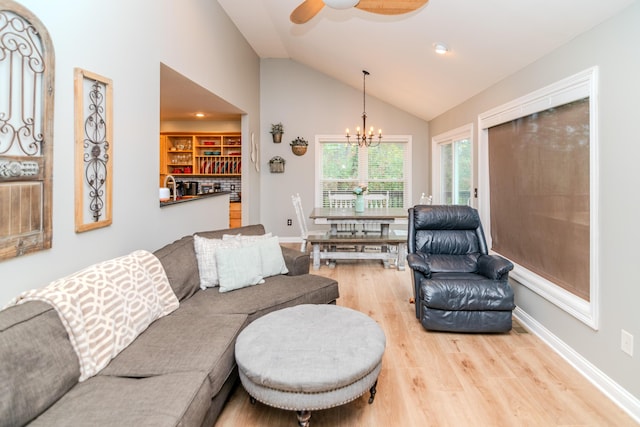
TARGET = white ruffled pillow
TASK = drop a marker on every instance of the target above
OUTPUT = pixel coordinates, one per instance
(206, 255)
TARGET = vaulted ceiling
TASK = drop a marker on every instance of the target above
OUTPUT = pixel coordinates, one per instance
(488, 40)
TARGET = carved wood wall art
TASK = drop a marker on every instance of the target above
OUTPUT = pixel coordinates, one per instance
(26, 132)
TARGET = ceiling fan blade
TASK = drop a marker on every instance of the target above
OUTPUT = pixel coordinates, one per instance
(390, 7)
(305, 11)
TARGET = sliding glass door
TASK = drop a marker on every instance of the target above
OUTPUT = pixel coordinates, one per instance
(453, 167)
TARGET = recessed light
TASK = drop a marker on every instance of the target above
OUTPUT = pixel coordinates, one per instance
(199, 114)
(440, 48)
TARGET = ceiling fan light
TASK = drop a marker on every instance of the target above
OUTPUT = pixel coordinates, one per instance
(341, 4)
(440, 48)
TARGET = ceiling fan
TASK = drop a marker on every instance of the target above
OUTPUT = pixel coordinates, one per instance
(309, 8)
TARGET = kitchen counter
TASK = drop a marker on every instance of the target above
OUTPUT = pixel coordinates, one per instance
(186, 199)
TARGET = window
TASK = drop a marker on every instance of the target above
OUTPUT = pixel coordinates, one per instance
(342, 166)
(26, 139)
(452, 172)
(539, 190)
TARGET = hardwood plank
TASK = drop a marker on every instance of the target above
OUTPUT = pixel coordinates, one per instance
(444, 379)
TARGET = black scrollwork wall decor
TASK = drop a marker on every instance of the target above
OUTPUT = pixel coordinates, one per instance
(94, 147)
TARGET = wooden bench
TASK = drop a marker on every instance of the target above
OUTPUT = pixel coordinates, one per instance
(330, 243)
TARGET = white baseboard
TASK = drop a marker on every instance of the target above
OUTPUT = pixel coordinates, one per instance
(290, 239)
(629, 403)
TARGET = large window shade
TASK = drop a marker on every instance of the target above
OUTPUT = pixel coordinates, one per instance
(539, 180)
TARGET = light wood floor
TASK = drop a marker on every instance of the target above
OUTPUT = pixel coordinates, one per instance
(444, 379)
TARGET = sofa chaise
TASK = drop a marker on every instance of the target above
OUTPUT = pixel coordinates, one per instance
(178, 372)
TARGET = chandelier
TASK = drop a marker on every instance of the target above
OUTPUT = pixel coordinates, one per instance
(364, 138)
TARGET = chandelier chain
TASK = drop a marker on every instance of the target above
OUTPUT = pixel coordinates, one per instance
(362, 137)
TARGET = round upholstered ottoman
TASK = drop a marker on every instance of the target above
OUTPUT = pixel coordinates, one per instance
(310, 357)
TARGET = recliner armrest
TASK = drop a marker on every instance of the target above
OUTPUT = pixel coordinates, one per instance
(494, 266)
(417, 262)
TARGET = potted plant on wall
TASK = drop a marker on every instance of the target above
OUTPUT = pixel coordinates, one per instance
(277, 130)
(299, 146)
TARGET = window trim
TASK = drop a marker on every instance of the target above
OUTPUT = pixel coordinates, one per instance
(320, 139)
(462, 132)
(573, 88)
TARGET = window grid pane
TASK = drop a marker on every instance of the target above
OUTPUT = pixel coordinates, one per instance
(381, 168)
(462, 162)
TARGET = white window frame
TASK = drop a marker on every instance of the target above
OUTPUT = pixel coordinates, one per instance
(578, 86)
(460, 133)
(319, 139)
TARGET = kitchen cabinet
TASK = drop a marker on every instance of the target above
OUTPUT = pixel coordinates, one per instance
(235, 214)
(200, 154)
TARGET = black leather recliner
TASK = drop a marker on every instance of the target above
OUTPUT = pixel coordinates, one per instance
(457, 285)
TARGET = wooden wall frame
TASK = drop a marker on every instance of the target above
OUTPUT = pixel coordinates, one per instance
(27, 72)
(93, 150)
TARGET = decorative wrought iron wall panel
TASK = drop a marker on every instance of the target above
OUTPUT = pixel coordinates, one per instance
(94, 145)
(26, 131)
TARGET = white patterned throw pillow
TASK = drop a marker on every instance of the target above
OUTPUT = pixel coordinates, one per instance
(206, 256)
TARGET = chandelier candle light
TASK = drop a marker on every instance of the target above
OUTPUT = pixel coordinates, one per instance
(365, 138)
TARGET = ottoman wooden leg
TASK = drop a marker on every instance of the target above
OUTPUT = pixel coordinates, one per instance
(303, 418)
(372, 390)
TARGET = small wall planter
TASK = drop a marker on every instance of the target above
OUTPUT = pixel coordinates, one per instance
(299, 146)
(276, 164)
(277, 129)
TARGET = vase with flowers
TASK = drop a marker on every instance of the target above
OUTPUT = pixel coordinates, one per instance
(360, 191)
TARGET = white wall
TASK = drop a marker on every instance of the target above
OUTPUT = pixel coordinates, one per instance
(126, 41)
(613, 47)
(309, 103)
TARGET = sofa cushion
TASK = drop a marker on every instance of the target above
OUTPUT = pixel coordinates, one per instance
(201, 340)
(105, 306)
(248, 230)
(180, 265)
(38, 364)
(277, 292)
(163, 400)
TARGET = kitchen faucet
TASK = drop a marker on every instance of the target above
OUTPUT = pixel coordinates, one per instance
(166, 181)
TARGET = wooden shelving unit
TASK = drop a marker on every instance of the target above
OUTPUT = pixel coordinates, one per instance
(200, 154)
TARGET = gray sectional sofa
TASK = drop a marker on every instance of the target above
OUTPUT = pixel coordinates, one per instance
(178, 372)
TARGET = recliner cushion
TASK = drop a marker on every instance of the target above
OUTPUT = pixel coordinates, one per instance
(467, 294)
(446, 218)
(466, 321)
(453, 242)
